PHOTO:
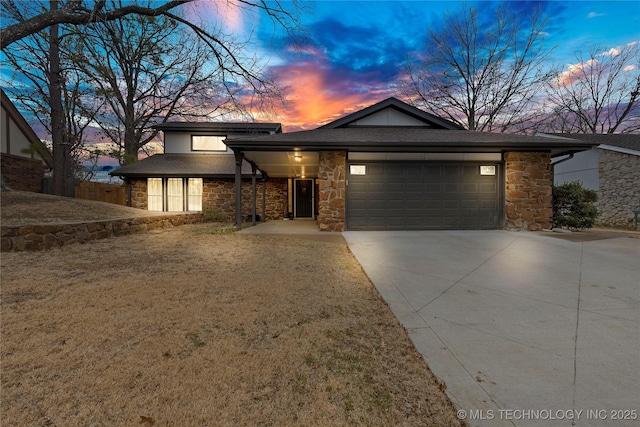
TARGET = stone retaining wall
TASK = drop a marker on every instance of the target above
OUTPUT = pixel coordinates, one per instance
(42, 237)
(619, 192)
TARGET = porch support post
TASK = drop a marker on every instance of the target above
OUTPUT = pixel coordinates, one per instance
(264, 198)
(238, 181)
(253, 194)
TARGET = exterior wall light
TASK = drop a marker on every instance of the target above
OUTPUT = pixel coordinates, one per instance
(487, 170)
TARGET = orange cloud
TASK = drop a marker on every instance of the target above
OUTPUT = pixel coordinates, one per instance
(315, 97)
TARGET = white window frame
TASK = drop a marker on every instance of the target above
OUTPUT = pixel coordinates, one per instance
(175, 195)
(194, 194)
(155, 194)
(208, 143)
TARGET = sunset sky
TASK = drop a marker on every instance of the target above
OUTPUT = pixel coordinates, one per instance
(353, 52)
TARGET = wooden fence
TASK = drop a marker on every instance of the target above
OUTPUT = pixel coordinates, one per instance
(101, 192)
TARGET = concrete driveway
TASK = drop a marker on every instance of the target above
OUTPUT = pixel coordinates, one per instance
(525, 329)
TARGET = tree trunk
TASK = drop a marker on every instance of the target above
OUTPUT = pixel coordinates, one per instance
(57, 113)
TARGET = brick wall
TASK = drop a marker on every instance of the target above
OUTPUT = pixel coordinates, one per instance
(619, 192)
(219, 195)
(331, 191)
(528, 191)
(22, 174)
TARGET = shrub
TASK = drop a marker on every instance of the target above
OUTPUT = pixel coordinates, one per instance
(574, 206)
(212, 215)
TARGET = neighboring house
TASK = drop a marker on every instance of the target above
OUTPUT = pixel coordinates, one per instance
(612, 168)
(390, 166)
(197, 172)
(23, 157)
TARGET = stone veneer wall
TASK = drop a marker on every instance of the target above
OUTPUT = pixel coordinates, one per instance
(619, 192)
(528, 186)
(332, 190)
(41, 237)
(220, 196)
(22, 174)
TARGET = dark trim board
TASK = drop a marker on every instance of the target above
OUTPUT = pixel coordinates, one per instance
(425, 196)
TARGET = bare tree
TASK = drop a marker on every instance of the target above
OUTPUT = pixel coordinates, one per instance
(598, 94)
(23, 21)
(145, 70)
(72, 12)
(481, 76)
(51, 91)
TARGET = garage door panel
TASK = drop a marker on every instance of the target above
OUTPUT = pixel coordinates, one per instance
(469, 187)
(412, 187)
(425, 196)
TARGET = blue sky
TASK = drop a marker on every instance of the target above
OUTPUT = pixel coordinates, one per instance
(353, 51)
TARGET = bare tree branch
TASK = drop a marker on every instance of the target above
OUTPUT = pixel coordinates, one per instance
(73, 12)
(600, 93)
(481, 77)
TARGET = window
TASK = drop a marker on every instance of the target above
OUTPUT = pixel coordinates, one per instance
(194, 188)
(170, 194)
(358, 169)
(208, 143)
(154, 194)
(174, 195)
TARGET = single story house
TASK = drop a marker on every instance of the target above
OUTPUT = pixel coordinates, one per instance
(390, 166)
(23, 157)
(612, 168)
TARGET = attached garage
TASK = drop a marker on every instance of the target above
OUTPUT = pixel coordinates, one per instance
(424, 196)
(392, 166)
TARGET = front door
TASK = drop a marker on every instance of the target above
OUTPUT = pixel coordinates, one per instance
(304, 198)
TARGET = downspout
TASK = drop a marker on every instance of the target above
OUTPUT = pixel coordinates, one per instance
(553, 166)
(238, 181)
(563, 160)
(264, 198)
(253, 194)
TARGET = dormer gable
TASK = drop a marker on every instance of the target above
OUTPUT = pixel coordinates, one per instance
(392, 113)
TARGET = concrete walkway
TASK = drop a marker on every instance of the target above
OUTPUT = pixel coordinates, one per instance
(525, 329)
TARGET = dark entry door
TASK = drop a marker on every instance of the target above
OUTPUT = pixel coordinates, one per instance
(304, 198)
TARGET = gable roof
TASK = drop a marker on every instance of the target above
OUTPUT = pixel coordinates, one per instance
(608, 141)
(25, 129)
(184, 166)
(429, 120)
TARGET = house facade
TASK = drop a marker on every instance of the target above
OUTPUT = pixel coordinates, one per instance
(612, 168)
(196, 173)
(389, 166)
(22, 168)
(392, 166)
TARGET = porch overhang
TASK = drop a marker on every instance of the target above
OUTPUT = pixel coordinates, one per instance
(293, 163)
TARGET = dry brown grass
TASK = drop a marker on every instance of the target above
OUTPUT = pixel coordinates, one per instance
(183, 327)
(27, 208)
